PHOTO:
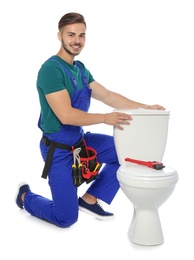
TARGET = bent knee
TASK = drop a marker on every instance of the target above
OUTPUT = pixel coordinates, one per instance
(66, 222)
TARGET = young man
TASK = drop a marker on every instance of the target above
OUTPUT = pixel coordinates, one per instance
(65, 87)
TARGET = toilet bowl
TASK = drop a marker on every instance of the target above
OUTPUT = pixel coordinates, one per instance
(146, 188)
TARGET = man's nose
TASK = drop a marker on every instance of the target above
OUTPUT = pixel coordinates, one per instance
(77, 39)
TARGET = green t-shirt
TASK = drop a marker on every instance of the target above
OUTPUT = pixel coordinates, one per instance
(52, 78)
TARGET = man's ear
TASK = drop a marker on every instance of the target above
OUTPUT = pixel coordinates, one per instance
(59, 36)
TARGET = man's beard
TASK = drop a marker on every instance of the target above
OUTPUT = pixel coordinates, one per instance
(68, 51)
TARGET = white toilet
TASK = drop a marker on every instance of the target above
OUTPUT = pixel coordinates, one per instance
(147, 188)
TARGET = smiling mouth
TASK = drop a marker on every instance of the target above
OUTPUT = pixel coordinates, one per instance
(75, 47)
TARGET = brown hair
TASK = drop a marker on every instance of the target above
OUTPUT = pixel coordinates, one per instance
(70, 18)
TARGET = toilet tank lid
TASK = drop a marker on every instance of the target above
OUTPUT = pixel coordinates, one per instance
(142, 111)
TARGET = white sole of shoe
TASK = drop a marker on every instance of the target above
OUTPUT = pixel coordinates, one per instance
(19, 186)
(95, 215)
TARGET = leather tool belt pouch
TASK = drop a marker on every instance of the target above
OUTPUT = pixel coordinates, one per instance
(85, 167)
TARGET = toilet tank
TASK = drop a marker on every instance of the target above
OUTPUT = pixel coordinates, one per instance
(146, 136)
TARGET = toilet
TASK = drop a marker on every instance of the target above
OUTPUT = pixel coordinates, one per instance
(146, 187)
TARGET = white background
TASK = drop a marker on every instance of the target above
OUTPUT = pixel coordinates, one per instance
(142, 49)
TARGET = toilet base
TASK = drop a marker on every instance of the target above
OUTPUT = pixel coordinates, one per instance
(145, 228)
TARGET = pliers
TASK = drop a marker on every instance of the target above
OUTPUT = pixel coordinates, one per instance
(77, 167)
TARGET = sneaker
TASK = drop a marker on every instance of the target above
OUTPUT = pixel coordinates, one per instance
(23, 187)
(95, 210)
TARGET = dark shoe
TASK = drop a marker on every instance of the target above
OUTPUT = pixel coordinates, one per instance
(95, 210)
(22, 188)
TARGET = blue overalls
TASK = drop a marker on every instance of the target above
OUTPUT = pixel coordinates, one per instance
(62, 210)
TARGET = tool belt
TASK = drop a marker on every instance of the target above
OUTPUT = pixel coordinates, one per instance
(85, 167)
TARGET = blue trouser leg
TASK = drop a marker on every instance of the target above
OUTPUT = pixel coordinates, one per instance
(106, 184)
(62, 210)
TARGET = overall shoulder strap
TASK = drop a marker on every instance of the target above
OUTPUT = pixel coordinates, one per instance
(66, 70)
(84, 79)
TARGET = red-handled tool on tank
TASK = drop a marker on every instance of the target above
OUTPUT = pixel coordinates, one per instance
(154, 164)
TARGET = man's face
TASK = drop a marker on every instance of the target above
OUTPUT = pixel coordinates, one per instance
(73, 38)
